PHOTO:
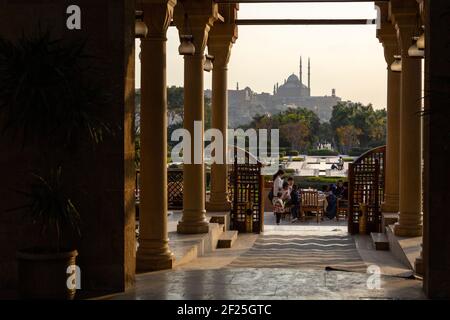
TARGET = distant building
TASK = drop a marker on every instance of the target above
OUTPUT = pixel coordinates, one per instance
(245, 104)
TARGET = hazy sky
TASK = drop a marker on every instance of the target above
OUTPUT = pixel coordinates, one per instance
(348, 58)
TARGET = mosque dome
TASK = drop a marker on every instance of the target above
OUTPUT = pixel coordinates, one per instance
(293, 78)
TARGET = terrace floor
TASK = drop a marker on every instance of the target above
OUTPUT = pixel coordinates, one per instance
(225, 273)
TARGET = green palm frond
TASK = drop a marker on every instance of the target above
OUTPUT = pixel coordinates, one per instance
(49, 205)
(47, 92)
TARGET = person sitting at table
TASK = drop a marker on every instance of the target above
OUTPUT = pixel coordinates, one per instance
(344, 194)
(285, 192)
(295, 203)
(278, 207)
(331, 208)
(339, 189)
(290, 181)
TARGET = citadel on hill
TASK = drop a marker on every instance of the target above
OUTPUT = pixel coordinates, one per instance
(244, 104)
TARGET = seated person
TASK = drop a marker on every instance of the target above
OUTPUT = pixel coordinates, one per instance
(341, 163)
(290, 181)
(344, 195)
(286, 193)
(331, 209)
(339, 189)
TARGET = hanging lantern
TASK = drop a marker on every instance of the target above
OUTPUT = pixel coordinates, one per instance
(208, 64)
(414, 51)
(186, 47)
(140, 28)
(396, 66)
(421, 42)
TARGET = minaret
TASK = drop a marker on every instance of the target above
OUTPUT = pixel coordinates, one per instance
(237, 86)
(309, 75)
(301, 71)
(274, 89)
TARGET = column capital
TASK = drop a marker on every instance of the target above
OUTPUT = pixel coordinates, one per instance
(404, 13)
(405, 16)
(157, 16)
(196, 17)
(221, 40)
(387, 35)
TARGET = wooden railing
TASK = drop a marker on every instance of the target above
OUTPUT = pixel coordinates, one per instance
(366, 190)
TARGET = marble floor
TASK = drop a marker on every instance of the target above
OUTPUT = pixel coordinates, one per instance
(213, 276)
(268, 284)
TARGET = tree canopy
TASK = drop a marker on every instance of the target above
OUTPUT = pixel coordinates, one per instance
(357, 125)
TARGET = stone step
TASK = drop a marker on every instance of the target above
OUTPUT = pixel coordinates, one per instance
(188, 247)
(406, 249)
(380, 241)
(222, 218)
(217, 219)
(387, 219)
(227, 239)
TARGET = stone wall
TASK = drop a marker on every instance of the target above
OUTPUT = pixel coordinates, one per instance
(102, 183)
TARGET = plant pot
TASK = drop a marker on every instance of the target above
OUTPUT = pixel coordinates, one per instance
(43, 275)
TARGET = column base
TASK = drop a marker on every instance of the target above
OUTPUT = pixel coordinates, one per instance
(192, 227)
(418, 266)
(407, 231)
(193, 222)
(218, 206)
(151, 258)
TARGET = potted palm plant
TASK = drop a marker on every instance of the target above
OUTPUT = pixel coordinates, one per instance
(43, 269)
(51, 105)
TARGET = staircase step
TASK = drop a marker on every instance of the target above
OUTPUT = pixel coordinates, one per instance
(380, 241)
(220, 218)
(227, 239)
(217, 219)
(387, 219)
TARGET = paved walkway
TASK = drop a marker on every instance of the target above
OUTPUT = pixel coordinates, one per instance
(221, 275)
(267, 284)
(302, 251)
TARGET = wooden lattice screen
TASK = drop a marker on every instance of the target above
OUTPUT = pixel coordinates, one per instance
(366, 186)
(174, 189)
(246, 193)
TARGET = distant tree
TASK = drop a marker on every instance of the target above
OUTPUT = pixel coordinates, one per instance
(370, 124)
(208, 113)
(298, 126)
(175, 102)
(348, 137)
(297, 134)
(325, 134)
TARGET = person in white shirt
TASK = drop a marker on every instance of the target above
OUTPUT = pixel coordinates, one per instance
(278, 182)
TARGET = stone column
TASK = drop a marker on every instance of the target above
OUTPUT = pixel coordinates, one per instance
(388, 38)
(220, 42)
(153, 252)
(436, 240)
(410, 216)
(196, 18)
